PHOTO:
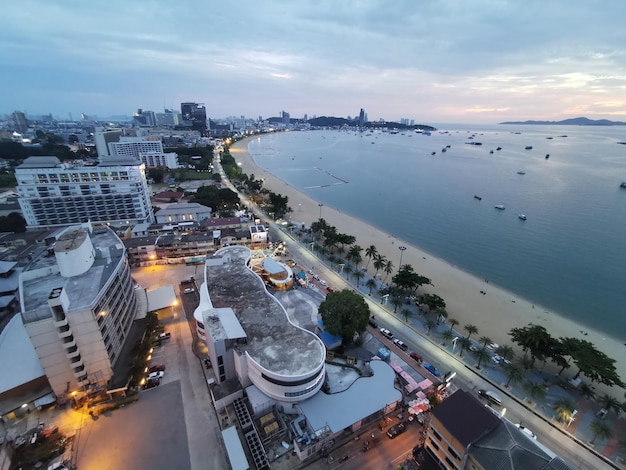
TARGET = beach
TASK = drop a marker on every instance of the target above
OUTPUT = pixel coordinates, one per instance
(469, 299)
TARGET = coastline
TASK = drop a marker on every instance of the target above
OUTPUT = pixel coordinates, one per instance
(493, 313)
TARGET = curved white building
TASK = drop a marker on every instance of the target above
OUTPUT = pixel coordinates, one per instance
(249, 335)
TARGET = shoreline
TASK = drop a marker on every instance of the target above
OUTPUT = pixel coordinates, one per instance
(493, 312)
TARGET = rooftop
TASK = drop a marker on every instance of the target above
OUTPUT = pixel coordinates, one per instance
(272, 340)
(42, 275)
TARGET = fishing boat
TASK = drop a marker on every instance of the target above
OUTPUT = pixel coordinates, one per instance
(522, 217)
(528, 147)
(521, 172)
(547, 156)
(476, 196)
(500, 207)
(623, 185)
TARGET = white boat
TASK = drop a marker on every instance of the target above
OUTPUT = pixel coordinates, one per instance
(522, 217)
(499, 207)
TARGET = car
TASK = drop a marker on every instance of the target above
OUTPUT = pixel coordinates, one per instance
(386, 333)
(526, 431)
(151, 383)
(395, 430)
(432, 369)
(189, 290)
(165, 335)
(493, 346)
(157, 368)
(322, 282)
(330, 289)
(415, 356)
(156, 375)
(497, 359)
(493, 397)
(400, 344)
(373, 323)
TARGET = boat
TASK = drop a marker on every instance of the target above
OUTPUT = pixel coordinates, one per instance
(623, 185)
(499, 148)
(547, 156)
(521, 217)
(528, 147)
(444, 149)
(476, 196)
(433, 153)
(500, 207)
(490, 151)
(521, 172)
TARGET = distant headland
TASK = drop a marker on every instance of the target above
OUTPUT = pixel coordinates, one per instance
(579, 121)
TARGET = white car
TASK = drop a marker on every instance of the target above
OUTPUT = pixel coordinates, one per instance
(386, 333)
(156, 375)
(189, 290)
(526, 431)
(323, 282)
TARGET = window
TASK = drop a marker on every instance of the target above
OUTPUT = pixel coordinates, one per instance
(436, 434)
(453, 453)
(434, 444)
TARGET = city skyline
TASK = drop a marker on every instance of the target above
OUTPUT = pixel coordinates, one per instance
(482, 61)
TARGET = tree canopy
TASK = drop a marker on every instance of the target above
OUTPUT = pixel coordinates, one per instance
(217, 199)
(344, 313)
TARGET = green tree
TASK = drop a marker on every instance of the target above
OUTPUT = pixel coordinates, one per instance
(388, 270)
(506, 352)
(587, 391)
(396, 302)
(358, 275)
(379, 263)
(471, 329)
(564, 409)
(463, 344)
(354, 255)
(514, 372)
(406, 314)
(484, 340)
(534, 339)
(345, 314)
(278, 205)
(452, 322)
(432, 301)
(600, 428)
(370, 284)
(610, 403)
(157, 174)
(14, 222)
(429, 324)
(370, 252)
(534, 390)
(347, 269)
(482, 355)
(447, 336)
(596, 365)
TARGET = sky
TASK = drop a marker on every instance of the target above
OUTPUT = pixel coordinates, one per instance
(437, 61)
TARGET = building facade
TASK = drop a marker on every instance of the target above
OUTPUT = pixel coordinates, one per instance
(52, 193)
(194, 116)
(78, 305)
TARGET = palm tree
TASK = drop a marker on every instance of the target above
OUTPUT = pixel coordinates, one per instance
(370, 252)
(442, 315)
(355, 255)
(453, 322)
(601, 429)
(471, 329)
(358, 275)
(514, 372)
(396, 302)
(406, 313)
(610, 404)
(463, 344)
(564, 409)
(348, 270)
(379, 263)
(587, 391)
(370, 284)
(429, 324)
(534, 390)
(484, 340)
(447, 336)
(388, 270)
(482, 354)
(506, 352)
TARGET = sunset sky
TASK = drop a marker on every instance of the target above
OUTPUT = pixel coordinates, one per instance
(442, 61)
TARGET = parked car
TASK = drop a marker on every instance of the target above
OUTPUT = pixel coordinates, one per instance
(165, 335)
(322, 282)
(151, 383)
(400, 344)
(386, 333)
(330, 289)
(491, 396)
(189, 290)
(527, 431)
(157, 368)
(373, 323)
(415, 356)
(432, 369)
(156, 375)
(396, 430)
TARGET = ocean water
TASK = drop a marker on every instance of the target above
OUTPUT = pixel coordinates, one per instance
(568, 256)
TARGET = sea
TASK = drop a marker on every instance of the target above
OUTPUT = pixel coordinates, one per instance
(568, 256)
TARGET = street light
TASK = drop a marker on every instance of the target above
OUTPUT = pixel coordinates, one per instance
(320, 206)
(402, 249)
(340, 268)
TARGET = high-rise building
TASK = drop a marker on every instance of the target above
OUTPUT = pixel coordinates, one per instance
(52, 193)
(103, 137)
(18, 122)
(78, 305)
(194, 115)
(144, 118)
(169, 118)
(285, 117)
(362, 118)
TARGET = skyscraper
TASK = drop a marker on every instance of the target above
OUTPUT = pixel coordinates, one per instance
(194, 115)
(362, 118)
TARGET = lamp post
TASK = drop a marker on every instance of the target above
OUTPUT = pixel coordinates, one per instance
(340, 268)
(320, 206)
(402, 249)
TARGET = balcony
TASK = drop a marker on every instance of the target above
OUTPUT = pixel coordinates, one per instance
(60, 323)
(71, 353)
(69, 344)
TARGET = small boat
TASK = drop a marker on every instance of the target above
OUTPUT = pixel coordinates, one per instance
(447, 146)
(476, 196)
(499, 148)
(444, 149)
(521, 172)
(623, 185)
(500, 207)
(528, 147)
(547, 156)
(521, 217)
(490, 151)
(433, 153)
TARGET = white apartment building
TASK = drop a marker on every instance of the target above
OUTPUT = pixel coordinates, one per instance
(78, 306)
(52, 193)
(149, 151)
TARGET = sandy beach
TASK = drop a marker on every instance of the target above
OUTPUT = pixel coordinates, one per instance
(493, 313)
